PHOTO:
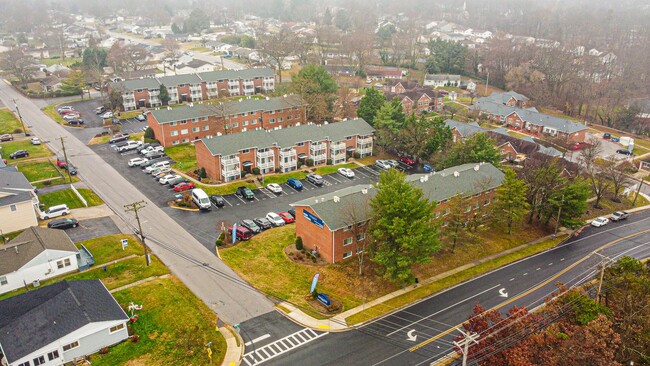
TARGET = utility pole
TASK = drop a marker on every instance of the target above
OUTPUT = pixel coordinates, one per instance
(559, 212)
(134, 207)
(605, 261)
(487, 82)
(464, 344)
(637, 192)
(67, 163)
(21, 118)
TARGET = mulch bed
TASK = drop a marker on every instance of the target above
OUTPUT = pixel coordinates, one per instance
(302, 258)
(335, 304)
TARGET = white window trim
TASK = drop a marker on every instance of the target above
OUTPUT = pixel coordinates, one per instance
(348, 240)
(117, 328)
(347, 255)
(69, 344)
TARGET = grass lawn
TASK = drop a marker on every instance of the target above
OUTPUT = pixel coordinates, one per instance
(8, 122)
(100, 140)
(608, 206)
(54, 61)
(124, 272)
(282, 178)
(329, 169)
(174, 326)
(226, 189)
(56, 181)
(35, 151)
(136, 136)
(68, 197)
(51, 112)
(109, 248)
(38, 170)
(517, 134)
(128, 114)
(184, 156)
(638, 150)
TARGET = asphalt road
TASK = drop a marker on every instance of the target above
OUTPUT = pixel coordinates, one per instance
(209, 278)
(423, 332)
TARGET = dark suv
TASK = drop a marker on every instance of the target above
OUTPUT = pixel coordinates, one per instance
(251, 225)
(245, 192)
(19, 154)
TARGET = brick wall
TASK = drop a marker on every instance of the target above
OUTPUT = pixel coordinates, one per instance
(313, 237)
(204, 159)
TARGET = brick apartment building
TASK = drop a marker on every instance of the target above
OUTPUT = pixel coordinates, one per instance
(418, 101)
(334, 224)
(141, 93)
(225, 157)
(173, 126)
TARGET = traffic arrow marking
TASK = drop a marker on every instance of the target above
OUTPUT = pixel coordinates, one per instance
(411, 337)
(502, 292)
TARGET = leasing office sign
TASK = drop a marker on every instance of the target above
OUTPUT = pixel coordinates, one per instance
(315, 220)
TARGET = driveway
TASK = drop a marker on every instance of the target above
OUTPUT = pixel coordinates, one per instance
(93, 228)
(608, 149)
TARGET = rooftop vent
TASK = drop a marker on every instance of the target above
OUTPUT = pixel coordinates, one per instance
(337, 199)
(456, 174)
(364, 191)
(476, 167)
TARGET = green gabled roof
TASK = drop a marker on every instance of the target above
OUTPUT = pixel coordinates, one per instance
(436, 187)
(135, 84)
(243, 105)
(285, 137)
(174, 80)
(236, 74)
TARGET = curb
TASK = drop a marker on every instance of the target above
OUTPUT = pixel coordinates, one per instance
(234, 344)
(185, 209)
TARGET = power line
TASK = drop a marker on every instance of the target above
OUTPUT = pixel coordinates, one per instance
(135, 207)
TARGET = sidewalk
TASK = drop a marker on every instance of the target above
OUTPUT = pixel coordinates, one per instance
(234, 346)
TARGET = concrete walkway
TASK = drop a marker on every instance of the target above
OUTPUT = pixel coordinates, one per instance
(234, 346)
(91, 212)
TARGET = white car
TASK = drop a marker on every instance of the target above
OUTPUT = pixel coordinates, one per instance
(346, 172)
(35, 141)
(393, 163)
(161, 172)
(64, 108)
(141, 117)
(71, 116)
(165, 179)
(108, 114)
(383, 164)
(137, 161)
(601, 221)
(275, 219)
(274, 187)
(151, 149)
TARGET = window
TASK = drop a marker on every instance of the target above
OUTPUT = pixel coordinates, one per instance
(39, 360)
(183, 122)
(235, 124)
(205, 128)
(26, 363)
(300, 144)
(348, 137)
(348, 228)
(3, 280)
(204, 119)
(290, 117)
(184, 131)
(437, 214)
(297, 116)
(13, 208)
(70, 346)
(174, 133)
(361, 236)
(172, 123)
(185, 140)
(175, 142)
(477, 205)
(53, 355)
(272, 112)
(347, 255)
(272, 120)
(59, 264)
(194, 120)
(280, 119)
(245, 151)
(244, 123)
(195, 129)
(347, 241)
(116, 328)
(244, 114)
(254, 122)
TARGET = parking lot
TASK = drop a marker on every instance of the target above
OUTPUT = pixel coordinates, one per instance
(95, 124)
(205, 225)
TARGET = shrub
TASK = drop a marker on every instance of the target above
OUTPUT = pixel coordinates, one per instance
(291, 254)
(278, 170)
(135, 338)
(103, 351)
(219, 242)
(329, 161)
(256, 171)
(18, 130)
(299, 244)
(47, 183)
(357, 155)
(310, 162)
(148, 133)
(242, 173)
(313, 259)
(299, 256)
(298, 165)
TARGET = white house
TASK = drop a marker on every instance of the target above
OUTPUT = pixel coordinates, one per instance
(57, 324)
(17, 201)
(194, 66)
(35, 255)
(440, 80)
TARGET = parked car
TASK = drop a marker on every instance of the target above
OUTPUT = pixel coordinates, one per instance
(601, 221)
(275, 219)
(143, 146)
(6, 137)
(245, 192)
(60, 162)
(172, 183)
(383, 164)
(137, 161)
(428, 168)
(624, 152)
(180, 187)
(35, 141)
(349, 173)
(288, 219)
(607, 136)
(615, 139)
(71, 116)
(392, 163)
(160, 172)
(64, 108)
(263, 223)
(578, 146)
(241, 232)
(63, 224)
(619, 215)
(76, 122)
(19, 154)
(65, 112)
(130, 145)
(407, 160)
(217, 200)
(54, 211)
(106, 115)
(99, 110)
(295, 183)
(154, 155)
(141, 117)
(152, 149)
(292, 211)
(274, 187)
(251, 225)
(118, 138)
(166, 178)
(70, 168)
(314, 179)
(159, 164)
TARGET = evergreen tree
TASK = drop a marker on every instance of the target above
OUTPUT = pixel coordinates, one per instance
(479, 148)
(74, 83)
(370, 104)
(164, 95)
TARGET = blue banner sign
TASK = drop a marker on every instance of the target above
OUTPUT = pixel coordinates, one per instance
(324, 299)
(315, 220)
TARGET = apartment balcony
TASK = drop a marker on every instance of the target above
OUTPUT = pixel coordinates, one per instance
(337, 146)
(195, 87)
(226, 173)
(291, 162)
(268, 165)
(288, 154)
(129, 104)
(363, 151)
(128, 94)
(233, 84)
(338, 156)
(362, 141)
(154, 93)
(317, 147)
(318, 157)
(154, 100)
(230, 161)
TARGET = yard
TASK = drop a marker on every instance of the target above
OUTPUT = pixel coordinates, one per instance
(608, 206)
(123, 272)
(8, 122)
(51, 112)
(109, 248)
(35, 151)
(174, 326)
(38, 170)
(68, 197)
(184, 156)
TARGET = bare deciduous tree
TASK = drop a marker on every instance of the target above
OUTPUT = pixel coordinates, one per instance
(277, 46)
(356, 218)
(19, 64)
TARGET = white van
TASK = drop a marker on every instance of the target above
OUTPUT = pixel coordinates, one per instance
(55, 211)
(154, 166)
(201, 199)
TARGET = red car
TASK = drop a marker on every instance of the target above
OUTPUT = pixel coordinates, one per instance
(183, 186)
(578, 146)
(68, 111)
(61, 162)
(288, 219)
(407, 160)
(241, 233)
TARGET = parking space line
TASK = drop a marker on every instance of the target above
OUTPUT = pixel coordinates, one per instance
(332, 177)
(267, 192)
(292, 187)
(224, 198)
(241, 199)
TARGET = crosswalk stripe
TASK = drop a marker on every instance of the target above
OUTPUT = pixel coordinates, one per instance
(281, 346)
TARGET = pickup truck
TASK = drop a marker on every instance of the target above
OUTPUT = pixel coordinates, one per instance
(118, 138)
(130, 145)
(619, 215)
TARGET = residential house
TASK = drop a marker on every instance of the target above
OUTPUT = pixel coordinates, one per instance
(140, 93)
(510, 99)
(217, 46)
(51, 83)
(398, 86)
(280, 150)
(194, 67)
(441, 80)
(516, 149)
(384, 72)
(418, 101)
(17, 201)
(334, 224)
(59, 324)
(461, 131)
(35, 255)
(173, 126)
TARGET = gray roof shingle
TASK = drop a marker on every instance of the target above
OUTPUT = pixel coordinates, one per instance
(174, 80)
(286, 137)
(465, 129)
(37, 318)
(30, 243)
(436, 187)
(14, 180)
(13, 197)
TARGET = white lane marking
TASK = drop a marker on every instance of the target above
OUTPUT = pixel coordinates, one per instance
(512, 279)
(439, 311)
(227, 201)
(267, 352)
(260, 338)
(526, 274)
